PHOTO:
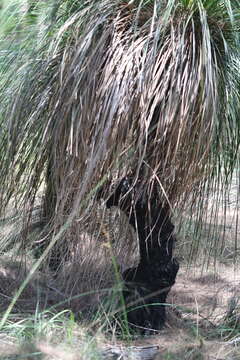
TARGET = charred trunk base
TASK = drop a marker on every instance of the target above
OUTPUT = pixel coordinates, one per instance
(145, 291)
(146, 287)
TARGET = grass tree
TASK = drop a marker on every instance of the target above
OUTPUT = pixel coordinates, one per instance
(101, 89)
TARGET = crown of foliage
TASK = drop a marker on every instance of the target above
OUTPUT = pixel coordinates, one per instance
(104, 88)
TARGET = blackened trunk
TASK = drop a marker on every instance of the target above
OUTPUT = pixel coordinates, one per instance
(149, 283)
